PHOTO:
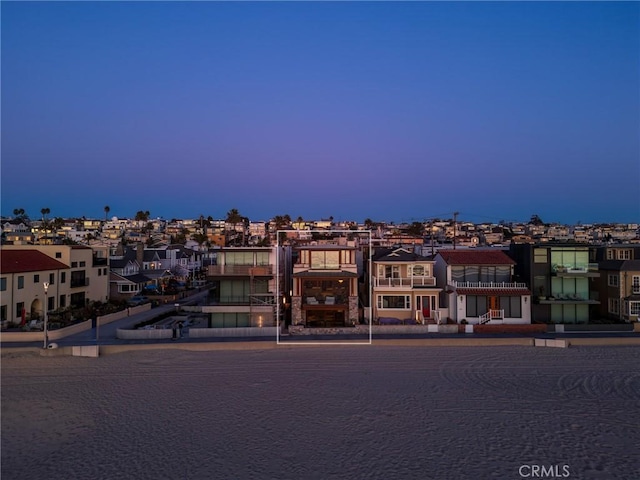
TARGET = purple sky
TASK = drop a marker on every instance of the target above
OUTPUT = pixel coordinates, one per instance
(396, 111)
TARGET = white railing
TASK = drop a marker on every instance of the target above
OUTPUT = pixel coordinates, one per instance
(405, 282)
(491, 315)
(513, 285)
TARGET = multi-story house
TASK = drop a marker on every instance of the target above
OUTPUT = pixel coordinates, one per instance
(325, 286)
(125, 279)
(404, 287)
(243, 292)
(79, 274)
(481, 288)
(559, 275)
(22, 285)
(619, 289)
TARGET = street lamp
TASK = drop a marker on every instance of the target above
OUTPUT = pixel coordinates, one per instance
(46, 302)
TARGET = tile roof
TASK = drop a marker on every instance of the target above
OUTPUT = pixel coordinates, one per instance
(17, 261)
(476, 257)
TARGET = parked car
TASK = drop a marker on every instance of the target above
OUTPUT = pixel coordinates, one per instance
(138, 300)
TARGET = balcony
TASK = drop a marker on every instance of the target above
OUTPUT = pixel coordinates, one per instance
(404, 282)
(485, 285)
(240, 270)
(79, 282)
(585, 270)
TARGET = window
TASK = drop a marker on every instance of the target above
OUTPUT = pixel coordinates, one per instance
(325, 260)
(3, 313)
(635, 284)
(388, 271)
(614, 305)
(20, 282)
(476, 305)
(51, 303)
(74, 264)
(396, 302)
(36, 278)
(58, 254)
(610, 255)
(99, 272)
(634, 308)
(624, 254)
(3, 284)
(19, 309)
(511, 306)
(52, 277)
(612, 280)
(63, 301)
(63, 277)
(540, 255)
(83, 264)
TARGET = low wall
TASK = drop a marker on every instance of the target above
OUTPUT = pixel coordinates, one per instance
(589, 327)
(526, 329)
(233, 332)
(112, 317)
(548, 342)
(142, 334)
(22, 337)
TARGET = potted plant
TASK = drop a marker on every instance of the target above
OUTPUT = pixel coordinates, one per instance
(541, 295)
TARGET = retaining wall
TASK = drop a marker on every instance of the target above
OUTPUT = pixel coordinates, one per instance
(142, 334)
(233, 332)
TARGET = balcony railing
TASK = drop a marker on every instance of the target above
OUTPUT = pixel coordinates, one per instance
(240, 270)
(484, 285)
(404, 282)
(585, 268)
(79, 282)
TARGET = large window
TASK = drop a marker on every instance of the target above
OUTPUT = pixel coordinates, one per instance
(512, 306)
(20, 282)
(246, 258)
(612, 280)
(325, 260)
(634, 308)
(3, 284)
(394, 302)
(476, 305)
(570, 258)
(19, 309)
(635, 284)
(421, 270)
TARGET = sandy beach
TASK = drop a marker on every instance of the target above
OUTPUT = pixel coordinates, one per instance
(320, 412)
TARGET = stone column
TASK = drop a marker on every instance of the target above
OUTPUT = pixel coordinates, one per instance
(296, 311)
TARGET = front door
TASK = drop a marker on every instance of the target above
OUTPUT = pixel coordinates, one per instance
(493, 303)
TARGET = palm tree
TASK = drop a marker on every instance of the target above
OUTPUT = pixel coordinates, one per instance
(45, 211)
(234, 218)
(107, 209)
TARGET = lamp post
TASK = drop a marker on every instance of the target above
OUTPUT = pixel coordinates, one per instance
(46, 302)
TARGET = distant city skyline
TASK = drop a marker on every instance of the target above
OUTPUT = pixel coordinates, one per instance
(394, 111)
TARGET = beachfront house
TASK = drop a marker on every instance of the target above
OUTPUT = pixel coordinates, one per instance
(243, 291)
(480, 287)
(325, 286)
(404, 288)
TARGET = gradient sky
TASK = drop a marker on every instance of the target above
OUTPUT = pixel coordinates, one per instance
(397, 111)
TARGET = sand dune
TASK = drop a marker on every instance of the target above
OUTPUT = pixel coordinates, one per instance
(339, 412)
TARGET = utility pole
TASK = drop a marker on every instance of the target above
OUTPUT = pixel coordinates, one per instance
(455, 224)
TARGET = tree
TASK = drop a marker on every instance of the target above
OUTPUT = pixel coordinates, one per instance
(536, 220)
(416, 229)
(20, 214)
(234, 218)
(45, 211)
(142, 216)
(107, 209)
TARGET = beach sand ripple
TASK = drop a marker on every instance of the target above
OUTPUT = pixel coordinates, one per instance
(339, 412)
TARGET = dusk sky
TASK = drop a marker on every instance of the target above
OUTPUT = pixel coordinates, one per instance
(396, 111)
